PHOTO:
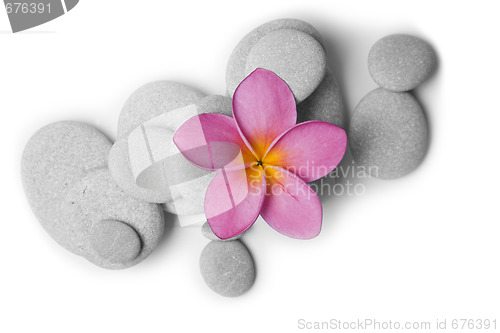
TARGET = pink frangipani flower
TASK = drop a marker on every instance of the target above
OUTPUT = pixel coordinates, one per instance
(263, 158)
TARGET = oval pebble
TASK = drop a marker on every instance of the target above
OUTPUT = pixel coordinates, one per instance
(55, 158)
(401, 62)
(296, 57)
(235, 71)
(70, 190)
(153, 100)
(227, 268)
(325, 103)
(115, 241)
(388, 134)
(208, 233)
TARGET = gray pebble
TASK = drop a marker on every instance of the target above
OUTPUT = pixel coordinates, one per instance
(388, 134)
(325, 103)
(208, 233)
(115, 241)
(176, 183)
(296, 57)
(216, 104)
(56, 157)
(227, 268)
(57, 164)
(153, 99)
(235, 71)
(192, 195)
(94, 202)
(401, 62)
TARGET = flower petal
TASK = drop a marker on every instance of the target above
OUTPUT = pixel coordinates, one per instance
(263, 107)
(211, 141)
(291, 207)
(310, 150)
(234, 199)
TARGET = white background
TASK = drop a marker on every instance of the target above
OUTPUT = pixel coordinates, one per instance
(418, 248)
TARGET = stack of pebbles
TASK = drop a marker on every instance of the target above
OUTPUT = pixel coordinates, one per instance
(388, 133)
(105, 201)
(70, 189)
(294, 51)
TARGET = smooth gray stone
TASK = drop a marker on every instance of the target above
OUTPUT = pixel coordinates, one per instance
(235, 70)
(325, 104)
(115, 241)
(57, 165)
(55, 158)
(153, 99)
(193, 193)
(296, 57)
(96, 200)
(119, 166)
(189, 181)
(216, 104)
(401, 62)
(227, 268)
(208, 233)
(187, 200)
(388, 134)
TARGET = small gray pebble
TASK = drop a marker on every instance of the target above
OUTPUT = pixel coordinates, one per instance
(388, 134)
(95, 201)
(55, 158)
(235, 71)
(401, 62)
(296, 57)
(208, 233)
(115, 241)
(227, 268)
(179, 186)
(325, 103)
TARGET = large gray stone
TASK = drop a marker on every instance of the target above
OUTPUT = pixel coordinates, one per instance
(325, 104)
(235, 70)
(70, 190)
(401, 62)
(171, 181)
(296, 57)
(55, 158)
(227, 268)
(388, 133)
(95, 200)
(153, 99)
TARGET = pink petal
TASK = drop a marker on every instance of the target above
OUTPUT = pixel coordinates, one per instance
(291, 207)
(211, 141)
(233, 200)
(263, 107)
(310, 150)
